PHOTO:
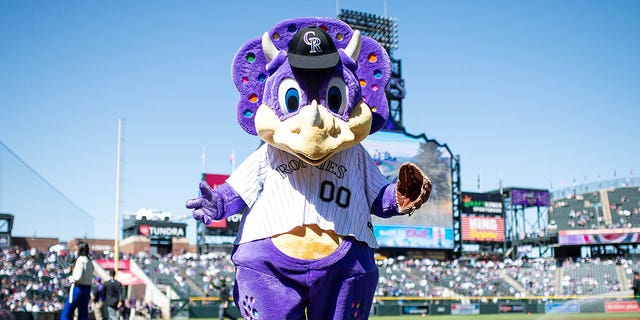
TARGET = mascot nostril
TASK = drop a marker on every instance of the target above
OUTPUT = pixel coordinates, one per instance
(308, 88)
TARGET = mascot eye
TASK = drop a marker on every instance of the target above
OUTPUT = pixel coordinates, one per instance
(337, 95)
(292, 99)
(289, 96)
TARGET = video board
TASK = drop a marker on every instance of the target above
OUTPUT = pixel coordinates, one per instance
(487, 229)
(530, 198)
(431, 226)
(481, 203)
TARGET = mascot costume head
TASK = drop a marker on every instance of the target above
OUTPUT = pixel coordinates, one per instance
(312, 89)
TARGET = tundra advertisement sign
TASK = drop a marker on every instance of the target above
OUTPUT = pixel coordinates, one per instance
(165, 231)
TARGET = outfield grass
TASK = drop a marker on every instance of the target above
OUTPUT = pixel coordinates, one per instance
(512, 316)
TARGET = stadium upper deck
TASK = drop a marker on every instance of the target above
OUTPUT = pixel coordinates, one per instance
(602, 209)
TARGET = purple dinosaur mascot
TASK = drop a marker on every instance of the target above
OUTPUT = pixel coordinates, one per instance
(312, 89)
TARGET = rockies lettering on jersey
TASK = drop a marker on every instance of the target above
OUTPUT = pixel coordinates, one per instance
(283, 192)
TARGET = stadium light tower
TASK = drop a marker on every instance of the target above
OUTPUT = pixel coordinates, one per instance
(384, 30)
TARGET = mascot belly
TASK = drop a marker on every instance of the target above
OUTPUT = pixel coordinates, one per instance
(311, 89)
(307, 242)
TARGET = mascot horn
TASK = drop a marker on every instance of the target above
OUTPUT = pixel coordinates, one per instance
(312, 89)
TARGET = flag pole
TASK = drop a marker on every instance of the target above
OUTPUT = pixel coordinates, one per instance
(116, 253)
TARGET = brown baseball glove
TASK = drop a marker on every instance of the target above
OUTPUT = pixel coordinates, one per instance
(413, 188)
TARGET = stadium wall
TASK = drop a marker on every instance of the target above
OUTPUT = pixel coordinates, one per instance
(42, 244)
(204, 307)
(136, 244)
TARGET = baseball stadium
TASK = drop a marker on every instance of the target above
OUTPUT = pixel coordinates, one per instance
(516, 252)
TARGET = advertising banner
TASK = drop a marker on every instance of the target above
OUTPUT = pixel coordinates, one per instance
(557, 307)
(413, 237)
(511, 308)
(162, 231)
(5, 240)
(481, 203)
(219, 239)
(108, 264)
(489, 229)
(127, 278)
(227, 226)
(598, 236)
(415, 310)
(621, 306)
(459, 309)
(214, 180)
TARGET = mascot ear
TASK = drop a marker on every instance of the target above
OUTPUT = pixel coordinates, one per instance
(374, 72)
(249, 75)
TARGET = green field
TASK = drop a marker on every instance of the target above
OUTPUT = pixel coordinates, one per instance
(580, 316)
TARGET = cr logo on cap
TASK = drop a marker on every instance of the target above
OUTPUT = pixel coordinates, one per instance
(313, 42)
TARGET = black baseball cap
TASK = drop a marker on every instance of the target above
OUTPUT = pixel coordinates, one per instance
(311, 48)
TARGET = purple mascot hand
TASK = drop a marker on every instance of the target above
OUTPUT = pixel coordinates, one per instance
(205, 208)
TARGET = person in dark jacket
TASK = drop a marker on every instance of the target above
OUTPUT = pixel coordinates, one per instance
(225, 294)
(112, 296)
(636, 286)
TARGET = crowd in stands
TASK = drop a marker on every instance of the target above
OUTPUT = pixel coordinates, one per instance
(590, 276)
(32, 281)
(535, 275)
(188, 274)
(470, 278)
(586, 211)
(35, 281)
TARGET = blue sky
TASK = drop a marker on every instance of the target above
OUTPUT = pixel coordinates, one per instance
(538, 92)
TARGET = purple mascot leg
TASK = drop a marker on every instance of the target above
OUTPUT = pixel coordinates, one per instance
(272, 285)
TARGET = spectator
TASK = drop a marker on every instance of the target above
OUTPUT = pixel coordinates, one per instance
(224, 299)
(636, 286)
(113, 295)
(80, 291)
(98, 299)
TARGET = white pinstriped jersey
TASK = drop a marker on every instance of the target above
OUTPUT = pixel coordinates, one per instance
(283, 192)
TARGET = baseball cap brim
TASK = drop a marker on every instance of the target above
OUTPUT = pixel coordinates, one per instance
(318, 62)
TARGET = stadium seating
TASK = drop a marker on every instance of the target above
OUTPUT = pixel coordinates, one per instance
(625, 207)
(537, 276)
(605, 208)
(32, 281)
(189, 274)
(35, 281)
(589, 277)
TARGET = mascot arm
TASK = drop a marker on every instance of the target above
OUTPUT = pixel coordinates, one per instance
(215, 204)
(385, 204)
(404, 197)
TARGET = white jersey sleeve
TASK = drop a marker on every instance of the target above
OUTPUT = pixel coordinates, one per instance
(248, 179)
